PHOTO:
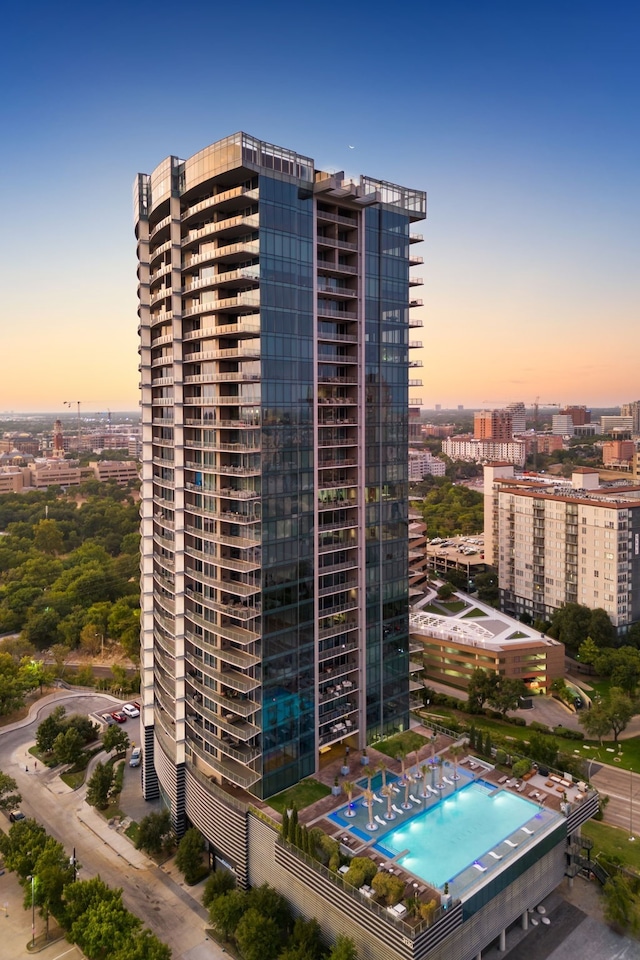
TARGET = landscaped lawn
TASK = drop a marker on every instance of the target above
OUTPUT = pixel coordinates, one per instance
(475, 612)
(408, 740)
(453, 606)
(303, 794)
(613, 843)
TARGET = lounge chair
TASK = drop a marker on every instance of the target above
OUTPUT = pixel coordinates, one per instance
(511, 844)
(380, 820)
(526, 830)
(434, 793)
(396, 809)
(496, 856)
(503, 779)
(522, 787)
(462, 762)
(534, 795)
(446, 780)
(479, 867)
(378, 799)
(414, 799)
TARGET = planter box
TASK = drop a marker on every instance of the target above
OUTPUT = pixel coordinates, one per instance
(336, 790)
(344, 771)
(364, 761)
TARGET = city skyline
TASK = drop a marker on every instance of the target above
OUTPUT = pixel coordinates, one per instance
(516, 125)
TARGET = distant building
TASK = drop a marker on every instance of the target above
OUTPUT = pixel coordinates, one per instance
(579, 414)
(494, 425)
(438, 407)
(438, 429)
(518, 416)
(618, 453)
(617, 424)
(556, 542)
(24, 442)
(632, 410)
(481, 451)
(422, 463)
(562, 425)
(122, 471)
(453, 648)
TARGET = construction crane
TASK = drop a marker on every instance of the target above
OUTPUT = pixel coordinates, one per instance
(536, 404)
(76, 403)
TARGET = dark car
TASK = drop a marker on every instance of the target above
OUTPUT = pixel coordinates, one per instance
(108, 719)
(16, 815)
(119, 717)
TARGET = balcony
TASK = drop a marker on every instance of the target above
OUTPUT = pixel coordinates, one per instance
(232, 251)
(234, 772)
(219, 198)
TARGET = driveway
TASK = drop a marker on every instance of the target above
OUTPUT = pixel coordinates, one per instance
(159, 898)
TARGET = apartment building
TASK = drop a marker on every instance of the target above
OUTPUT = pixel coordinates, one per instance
(632, 409)
(479, 451)
(518, 416)
(555, 543)
(496, 425)
(274, 304)
(422, 463)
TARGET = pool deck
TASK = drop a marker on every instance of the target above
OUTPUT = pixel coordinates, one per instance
(547, 794)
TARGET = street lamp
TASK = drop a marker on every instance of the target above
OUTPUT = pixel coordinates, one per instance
(33, 909)
(631, 836)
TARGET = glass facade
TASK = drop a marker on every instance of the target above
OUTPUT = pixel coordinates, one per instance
(274, 361)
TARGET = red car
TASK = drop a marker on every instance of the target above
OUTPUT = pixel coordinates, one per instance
(119, 717)
(136, 704)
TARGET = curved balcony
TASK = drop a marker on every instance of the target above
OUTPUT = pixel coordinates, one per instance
(245, 327)
(239, 775)
(247, 193)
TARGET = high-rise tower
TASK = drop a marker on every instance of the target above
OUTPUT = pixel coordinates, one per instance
(274, 325)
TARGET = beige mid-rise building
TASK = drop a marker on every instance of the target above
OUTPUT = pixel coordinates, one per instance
(557, 542)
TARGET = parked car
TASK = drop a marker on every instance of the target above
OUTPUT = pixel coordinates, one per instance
(119, 717)
(136, 704)
(108, 719)
(16, 815)
(136, 757)
(131, 710)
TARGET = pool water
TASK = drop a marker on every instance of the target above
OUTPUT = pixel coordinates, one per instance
(459, 831)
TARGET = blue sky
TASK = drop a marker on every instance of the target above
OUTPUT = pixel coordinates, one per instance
(520, 122)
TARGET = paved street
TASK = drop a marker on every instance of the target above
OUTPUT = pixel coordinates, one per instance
(623, 789)
(155, 894)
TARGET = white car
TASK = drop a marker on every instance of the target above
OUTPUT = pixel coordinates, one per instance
(135, 758)
(130, 710)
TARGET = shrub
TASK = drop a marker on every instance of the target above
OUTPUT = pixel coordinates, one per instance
(389, 887)
(501, 756)
(361, 870)
(539, 727)
(521, 767)
(561, 731)
(516, 721)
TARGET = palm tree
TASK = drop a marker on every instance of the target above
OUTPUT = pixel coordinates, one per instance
(388, 792)
(348, 786)
(381, 768)
(402, 756)
(455, 753)
(368, 799)
(425, 770)
(370, 773)
(408, 780)
(417, 771)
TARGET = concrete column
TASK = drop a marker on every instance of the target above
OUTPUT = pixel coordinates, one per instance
(479, 957)
(525, 920)
(503, 941)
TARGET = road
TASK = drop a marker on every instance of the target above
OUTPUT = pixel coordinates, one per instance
(148, 891)
(623, 789)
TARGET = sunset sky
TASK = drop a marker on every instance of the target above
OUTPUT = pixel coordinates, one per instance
(519, 120)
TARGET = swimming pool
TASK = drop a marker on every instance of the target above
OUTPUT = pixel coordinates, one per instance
(458, 832)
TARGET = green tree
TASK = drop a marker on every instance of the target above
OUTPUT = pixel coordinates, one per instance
(41, 629)
(144, 946)
(445, 591)
(48, 538)
(306, 938)
(114, 738)
(506, 694)
(10, 796)
(226, 910)
(189, 856)
(388, 886)
(68, 746)
(106, 927)
(52, 871)
(621, 906)
(49, 729)
(343, 949)
(267, 901)
(482, 685)
(258, 936)
(571, 625)
(155, 832)
(588, 651)
(601, 629)
(619, 708)
(99, 785)
(221, 881)
(22, 846)
(596, 721)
